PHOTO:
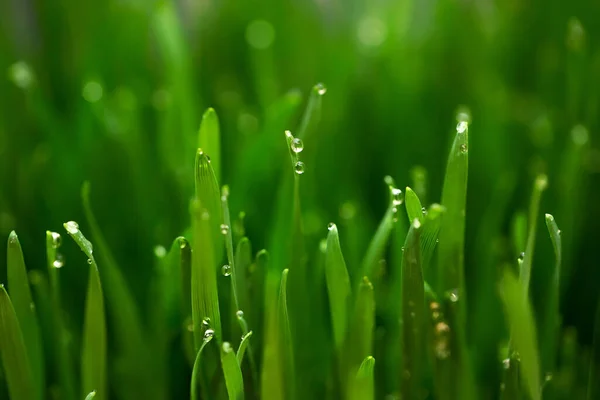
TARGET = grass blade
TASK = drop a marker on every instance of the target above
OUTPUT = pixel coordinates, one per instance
(284, 324)
(524, 340)
(414, 209)
(232, 372)
(429, 234)
(207, 247)
(338, 286)
(242, 348)
(93, 353)
(540, 185)
(312, 114)
(413, 314)
(359, 341)
(209, 139)
(25, 309)
(17, 370)
(362, 387)
(91, 395)
(551, 319)
(197, 376)
(380, 239)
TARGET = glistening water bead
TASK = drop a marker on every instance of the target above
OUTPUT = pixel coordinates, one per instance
(330, 226)
(209, 334)
(321, 89)
(397, 196)
(224, 229)
(297, 145)
(462, 126)
(226, 270)
(239, 314)
(72, 227)
(299, 167)
(56, 240)
(59, 261)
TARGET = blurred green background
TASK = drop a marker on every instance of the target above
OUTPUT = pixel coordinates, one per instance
(113, 92)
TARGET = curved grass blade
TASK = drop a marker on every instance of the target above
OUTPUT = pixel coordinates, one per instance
(91, 395)
(66, 374)
(362, 386)
(338, 286)
(551, 320)
(209, 139)
(540, 185)
(523, 338)
(359, 339)
(242, 349)
(232, 372)
(413, 310)
(414, 209)
(227, 231)
(25, 309)
(197, 376)
(380, 239)
(17, 370)
(93, 357)
(124, 313)
(312, 114)
(207, 193)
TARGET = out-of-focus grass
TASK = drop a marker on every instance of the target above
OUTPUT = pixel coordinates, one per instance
(114, 92)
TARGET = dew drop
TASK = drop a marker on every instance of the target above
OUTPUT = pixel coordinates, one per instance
(206, 322)
(226, 270)
(462, 126)
(56, 240)
(89, 261)
(463, 148)
(397, 197)
(72, 227)
(297, 145)
(331, 226)
(224, 229)
(452, 295)
(299, 168)
(521, 256)
(424, 211)
(239, 314)
(506, 363)
(548, 376)
(208, 335)
(59, 261)
(321, 89)
(183, 243)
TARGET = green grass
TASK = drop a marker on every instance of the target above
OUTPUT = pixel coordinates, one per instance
(195, 146)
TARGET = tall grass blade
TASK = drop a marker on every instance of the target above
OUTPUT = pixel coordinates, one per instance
(93, 353)
(242, 348)
(284, 325)
(414, 209)
(551, 320)
(359, 339)
(15, 360)
(432, 222)
(522, 324)
(209, 139)
(25, 309)
(540, 185)
(338, 286)
(232, 372)
(130, 343)
(243, 260)
(197, 372)
(207, 194)
(362, 386)
(413, 313)
(380, 239)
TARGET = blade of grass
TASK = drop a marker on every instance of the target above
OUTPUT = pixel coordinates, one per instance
(209, 139)
(91, 395)
(523, 338)
(242, 348)
(197, 376)
(414, 209)
(17, 370)
(429, 234)
(93, 353)
(207, 248)
(338, 286)
(380, 239)
(510, 388)
(232, 372)
(312, 113)
(25, 309)
(413, 310)
(130, 343)
(362, 387)
(284, 324)
(63, 357)
(551, 321)
(540, 185)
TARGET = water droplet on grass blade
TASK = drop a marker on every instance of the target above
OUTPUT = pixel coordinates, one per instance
(521, 256)
(297, 145)
(59, 261)
(299, 167)
(321, 89)
(56, 240)
(224, 229)
(452, 295)
(72, 227)
(239, 314)
(226, 270)
(397, 196)
(208, 335)
(331, 226)
(462, 126)
(463, 148)
(89, 261)
(506, 363)
(206, 322)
